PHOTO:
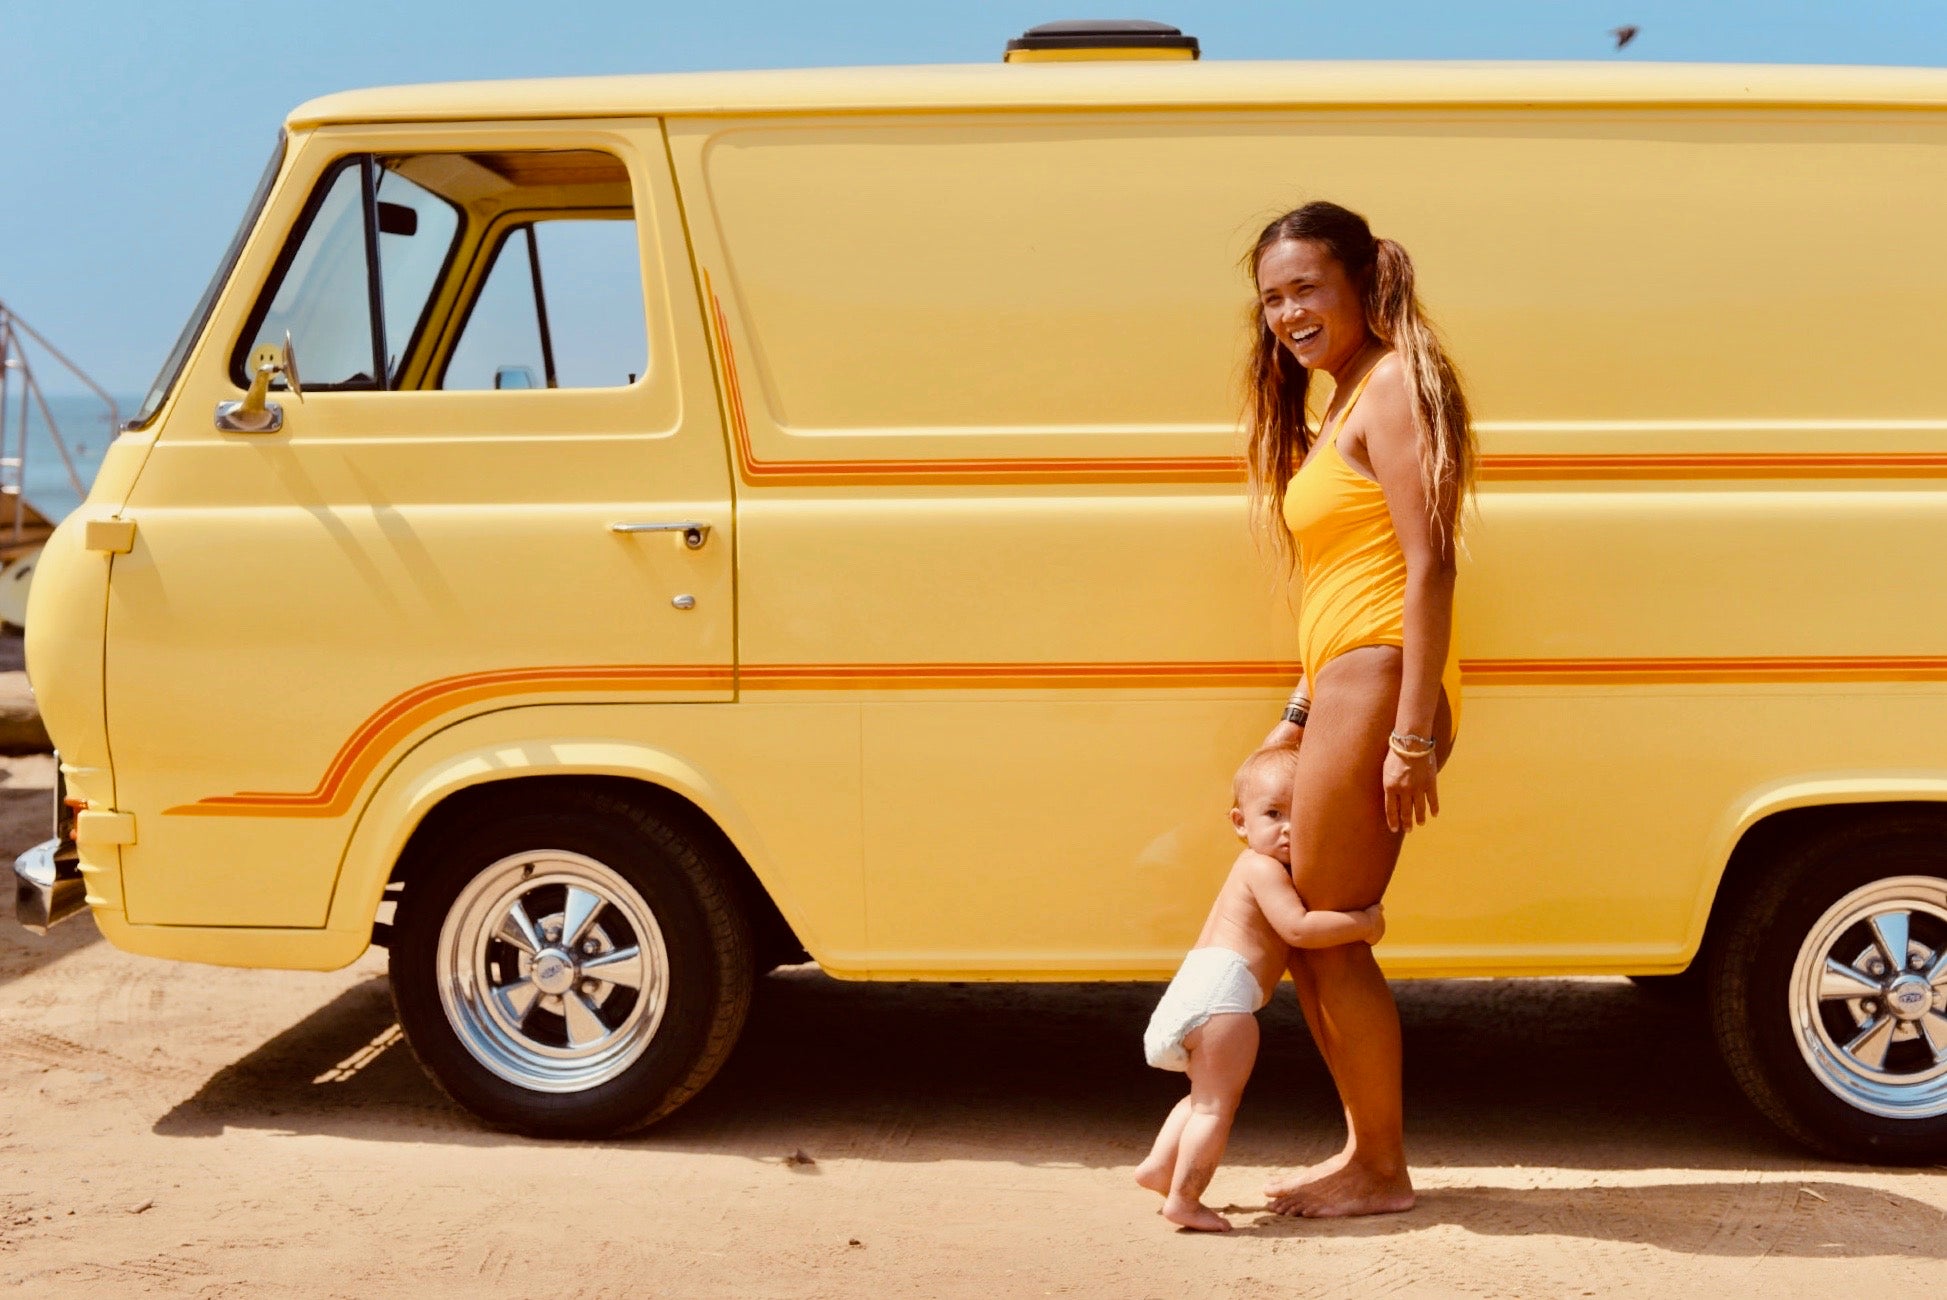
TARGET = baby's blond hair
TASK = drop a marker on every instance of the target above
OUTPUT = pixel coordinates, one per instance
(1282, 759)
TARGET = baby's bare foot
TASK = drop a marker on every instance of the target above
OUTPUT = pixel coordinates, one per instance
(1154, 1177)
(1194, 1215)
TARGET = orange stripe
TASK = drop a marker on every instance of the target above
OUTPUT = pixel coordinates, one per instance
(949, 676)
(411, 710)
(407, 712)
(1705, 466)
(1701, 671)
(1023, 470)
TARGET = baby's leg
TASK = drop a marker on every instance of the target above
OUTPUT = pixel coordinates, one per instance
(1156, 1171)
(1221, 1055)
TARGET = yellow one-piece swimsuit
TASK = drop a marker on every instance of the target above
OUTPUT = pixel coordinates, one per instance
(1354, 570)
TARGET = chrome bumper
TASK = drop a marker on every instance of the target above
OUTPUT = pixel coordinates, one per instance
(48, 888)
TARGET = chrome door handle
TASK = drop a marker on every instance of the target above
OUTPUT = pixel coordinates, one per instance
(694, 533)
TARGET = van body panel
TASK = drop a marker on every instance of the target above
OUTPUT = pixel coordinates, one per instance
(256, 947)
(65, 637)
(1013, 509)
(428, 553)
(800, 837)
(1000, 634)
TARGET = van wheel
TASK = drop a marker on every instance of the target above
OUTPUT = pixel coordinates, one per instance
(573, 968)
(1829, 992)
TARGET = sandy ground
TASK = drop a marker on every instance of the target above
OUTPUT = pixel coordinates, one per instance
(177, 1129)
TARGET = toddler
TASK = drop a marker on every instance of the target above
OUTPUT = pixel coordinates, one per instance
(1206, 1023)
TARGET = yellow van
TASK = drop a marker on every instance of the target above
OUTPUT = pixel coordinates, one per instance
(602, 538)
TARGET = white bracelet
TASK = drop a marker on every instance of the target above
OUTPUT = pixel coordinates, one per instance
(1407, 745)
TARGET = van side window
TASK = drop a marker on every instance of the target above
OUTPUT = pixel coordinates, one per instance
(484, 270)
(561, 307)
(323, 295)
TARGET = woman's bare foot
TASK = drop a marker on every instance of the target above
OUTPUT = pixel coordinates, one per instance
(1154, 1176)
(1353, 1190)
(1194, 1215)
(1295, 1184)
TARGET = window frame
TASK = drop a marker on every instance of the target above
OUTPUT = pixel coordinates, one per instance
(370, 163)
(199, 318)
(504, 227)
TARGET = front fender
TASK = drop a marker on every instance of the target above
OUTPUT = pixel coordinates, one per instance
(579, 740)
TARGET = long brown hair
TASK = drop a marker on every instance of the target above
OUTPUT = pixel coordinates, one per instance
(1276, 385)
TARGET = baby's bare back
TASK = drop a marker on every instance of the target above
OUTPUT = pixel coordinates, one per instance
(1235, 922)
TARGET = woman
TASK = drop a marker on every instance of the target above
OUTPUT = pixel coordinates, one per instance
(1369, 512)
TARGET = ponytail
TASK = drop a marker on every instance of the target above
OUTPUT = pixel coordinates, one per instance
(1441, 420)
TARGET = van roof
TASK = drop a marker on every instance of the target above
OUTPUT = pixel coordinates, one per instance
(1206, 84)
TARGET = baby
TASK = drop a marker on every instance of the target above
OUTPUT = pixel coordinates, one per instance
(1206, 1023)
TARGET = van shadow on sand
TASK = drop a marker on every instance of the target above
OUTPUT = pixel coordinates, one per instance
(1584, 1074)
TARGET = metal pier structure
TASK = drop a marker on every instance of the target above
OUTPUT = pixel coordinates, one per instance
(23, 528)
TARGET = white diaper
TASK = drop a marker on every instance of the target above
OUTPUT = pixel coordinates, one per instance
(1210, 981)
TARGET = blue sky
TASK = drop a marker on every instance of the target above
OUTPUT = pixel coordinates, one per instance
(133, 130)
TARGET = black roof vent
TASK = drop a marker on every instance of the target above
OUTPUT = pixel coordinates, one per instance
(1101, 38)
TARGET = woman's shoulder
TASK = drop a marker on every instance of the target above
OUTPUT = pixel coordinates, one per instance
(1388, 377)
(1386, 405)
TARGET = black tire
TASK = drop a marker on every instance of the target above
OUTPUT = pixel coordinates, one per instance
(709, 973)
(1792, 909)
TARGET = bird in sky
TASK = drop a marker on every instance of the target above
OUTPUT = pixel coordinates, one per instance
(1624, 34)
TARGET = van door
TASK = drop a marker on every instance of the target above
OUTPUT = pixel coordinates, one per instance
(491, 492)
(978, 368)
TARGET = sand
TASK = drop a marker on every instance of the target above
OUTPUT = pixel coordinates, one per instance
(183, 1130)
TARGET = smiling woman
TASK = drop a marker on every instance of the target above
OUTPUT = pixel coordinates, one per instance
(1372, 510)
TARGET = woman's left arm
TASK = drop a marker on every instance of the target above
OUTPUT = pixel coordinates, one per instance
(1392, 445)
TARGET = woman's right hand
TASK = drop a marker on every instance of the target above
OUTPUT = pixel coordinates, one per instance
(1284, 735)
(1376, 914)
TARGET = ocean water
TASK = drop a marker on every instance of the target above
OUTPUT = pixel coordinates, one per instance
(86, 429)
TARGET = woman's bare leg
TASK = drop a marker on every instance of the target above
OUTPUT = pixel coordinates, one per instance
(1343, 857)
(1370, 1175)
(1306, 985)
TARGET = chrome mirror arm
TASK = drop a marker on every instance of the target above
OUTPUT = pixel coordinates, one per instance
(256, 413)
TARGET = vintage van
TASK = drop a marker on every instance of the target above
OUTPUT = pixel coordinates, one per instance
(602, 538)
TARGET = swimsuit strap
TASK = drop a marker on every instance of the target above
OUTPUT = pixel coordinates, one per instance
(1345, 412)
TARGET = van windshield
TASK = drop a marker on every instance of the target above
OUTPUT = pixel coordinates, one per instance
(173, 366)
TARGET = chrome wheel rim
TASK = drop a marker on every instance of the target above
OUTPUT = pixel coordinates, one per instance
(552, 971)
(1869, 998)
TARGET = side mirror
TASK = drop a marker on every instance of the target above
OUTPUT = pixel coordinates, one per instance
(514, 377)
(255, 414)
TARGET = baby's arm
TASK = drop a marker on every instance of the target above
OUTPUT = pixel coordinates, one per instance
(1303, 927)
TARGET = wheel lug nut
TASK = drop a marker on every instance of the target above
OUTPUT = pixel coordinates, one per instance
(591, 948)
